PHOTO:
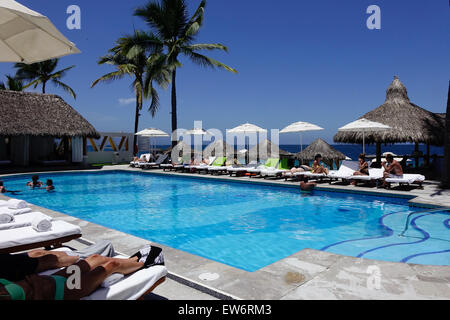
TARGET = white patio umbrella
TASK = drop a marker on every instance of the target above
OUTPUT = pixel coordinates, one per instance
(300, 127)
(152, 133)
(364, 125)
(29, 37)
(246, 129)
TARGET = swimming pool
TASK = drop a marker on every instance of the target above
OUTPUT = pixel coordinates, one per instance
(243, 225)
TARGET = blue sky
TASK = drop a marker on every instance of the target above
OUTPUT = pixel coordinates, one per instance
(298, 60)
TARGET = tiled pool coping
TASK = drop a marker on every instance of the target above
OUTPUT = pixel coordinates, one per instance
(308, 274)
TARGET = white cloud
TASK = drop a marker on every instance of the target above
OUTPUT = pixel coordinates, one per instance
(127, 101)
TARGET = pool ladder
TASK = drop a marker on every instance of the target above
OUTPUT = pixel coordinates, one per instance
(408, 221)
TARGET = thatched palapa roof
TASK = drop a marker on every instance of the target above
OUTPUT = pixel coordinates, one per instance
(34, 114)
(268, 149)
(320, 147)
(409, 122)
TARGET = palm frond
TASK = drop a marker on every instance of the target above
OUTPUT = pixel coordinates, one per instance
(205, 61)
(65, 87)
(207, 46)
(109, 77)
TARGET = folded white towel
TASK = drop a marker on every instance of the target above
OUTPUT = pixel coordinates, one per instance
(15, 212)
(6, 218)
(41, 223)
(112, 279)
(14, 204)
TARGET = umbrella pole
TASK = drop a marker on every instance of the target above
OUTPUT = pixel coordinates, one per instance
(301, 142)
(364, 141)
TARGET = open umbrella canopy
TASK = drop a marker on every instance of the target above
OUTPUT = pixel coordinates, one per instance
(29, 37)
(247, 128)
(153, 133)
(323, 148)
(301, 127)
(364, 125)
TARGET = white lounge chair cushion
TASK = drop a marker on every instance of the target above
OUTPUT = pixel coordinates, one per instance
(20, 221)
(407, 178)
(15, 212)
(272, 172)
(132, 287)
(213, 168)
(347, 169)
(374, 174)
(27, 235)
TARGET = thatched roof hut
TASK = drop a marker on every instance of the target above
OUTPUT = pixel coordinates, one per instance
(33, 114)
(219, 147)
(409, 122)
(321, 147)
(267, 149)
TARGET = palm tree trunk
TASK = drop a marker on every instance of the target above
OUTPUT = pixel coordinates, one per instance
(446, 173)
(136, 124)
(174, 105)
(43, 87)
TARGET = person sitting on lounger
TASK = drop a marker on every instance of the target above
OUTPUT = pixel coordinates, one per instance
(35, 183)
(363, 166)
(93, 272)
(317, 166)
(50, 186)
(140, 160)
(393, 169)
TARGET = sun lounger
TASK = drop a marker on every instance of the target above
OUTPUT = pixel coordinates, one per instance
(241, 169)
(155, 164)
(407, 179)
(346, 170)
(201, 167)
(26, 238)
(132, 287)
(271, 163)
(276, 172)
(218, 166)
(141, 160)
(21, 221)
(375, 175)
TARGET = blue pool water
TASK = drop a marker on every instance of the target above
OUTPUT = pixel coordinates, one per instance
(245, 225)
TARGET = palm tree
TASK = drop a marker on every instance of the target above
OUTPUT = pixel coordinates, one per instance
(42, 72)
(130, 59)
(12, 83)
(446, 176)
(176, 32)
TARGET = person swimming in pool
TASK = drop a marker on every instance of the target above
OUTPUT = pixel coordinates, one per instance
(50, 186)
(35, 183)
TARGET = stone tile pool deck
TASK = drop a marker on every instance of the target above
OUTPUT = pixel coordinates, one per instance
(308, 274)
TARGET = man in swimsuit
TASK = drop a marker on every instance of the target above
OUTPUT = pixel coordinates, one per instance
(392, 168)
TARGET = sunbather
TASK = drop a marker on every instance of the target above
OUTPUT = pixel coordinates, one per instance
(363, 166)
(393, 169)
(93, 272)
(35, 183)
(317, 166)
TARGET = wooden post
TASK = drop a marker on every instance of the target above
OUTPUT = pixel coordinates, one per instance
(446, 174)
(427, 158)
(84, 146)
(416, 155)
(379, 152)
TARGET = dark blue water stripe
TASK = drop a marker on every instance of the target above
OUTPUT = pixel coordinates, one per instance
(381, 221)
(423, 254)
(425, 234)
(447, 223)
